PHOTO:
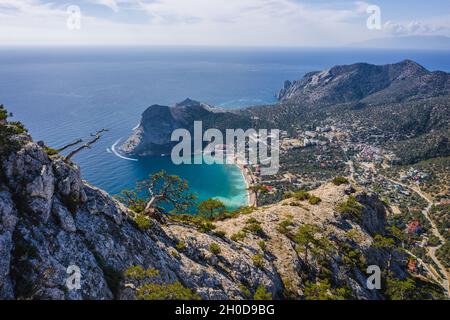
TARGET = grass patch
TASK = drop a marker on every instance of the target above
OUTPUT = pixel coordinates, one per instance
(215, 249)
(262, 245)
(239, 236)
(337, 181)
(313, 200)
(258, 260)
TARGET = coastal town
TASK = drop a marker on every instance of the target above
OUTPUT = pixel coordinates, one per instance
(331, 150)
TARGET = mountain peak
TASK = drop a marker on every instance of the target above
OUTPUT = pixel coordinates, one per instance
(410, 63)
(188, 103)
(351, 83)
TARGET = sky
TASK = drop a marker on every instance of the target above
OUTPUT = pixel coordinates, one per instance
(268, 23)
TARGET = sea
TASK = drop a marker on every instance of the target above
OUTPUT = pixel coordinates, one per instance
(65, 93)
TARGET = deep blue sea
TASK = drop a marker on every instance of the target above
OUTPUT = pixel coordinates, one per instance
(62, 94)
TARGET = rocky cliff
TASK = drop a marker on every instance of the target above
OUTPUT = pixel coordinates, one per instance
(153, 135)
(51, 219)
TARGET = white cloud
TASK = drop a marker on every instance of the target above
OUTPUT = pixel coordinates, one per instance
(361, 6)
(239, 10)
(190, 22)
(412, 28)
(112, 4)
(27, 7)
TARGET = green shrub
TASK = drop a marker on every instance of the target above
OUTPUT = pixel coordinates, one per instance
(142, 221)
(301, 195)
(245, 291)
(353, 234)
(434, 241)
(351, 257)
(175, 254)
(234, 214)
(8, 130)
(50, 152)
(238, 236)
(181, 245)
(262, 294)
(262, 245)
(3, 113)
(252, 221)
(401, 289)
(340, 180)
(173, 291)
(220, 233)
(256, 229)
(383, 242)
(139, 273)
(214, 248)
(19, 128)
(258, 260)
(207, 227)
(323, 291)
(244, 210)
(284, 225)
(351, 207)
(314, 200)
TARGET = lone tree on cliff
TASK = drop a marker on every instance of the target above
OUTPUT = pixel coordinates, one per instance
(305, 238)
(157, 194)
(211, 207)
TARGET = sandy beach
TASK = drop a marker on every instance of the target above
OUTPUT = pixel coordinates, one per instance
(246, 174)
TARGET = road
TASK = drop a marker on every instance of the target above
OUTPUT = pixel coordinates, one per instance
(426, 212)
(431, 250)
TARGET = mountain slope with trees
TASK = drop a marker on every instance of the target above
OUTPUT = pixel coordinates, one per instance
(50, 220)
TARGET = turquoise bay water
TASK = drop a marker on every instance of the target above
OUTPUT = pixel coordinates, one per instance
(64, 94)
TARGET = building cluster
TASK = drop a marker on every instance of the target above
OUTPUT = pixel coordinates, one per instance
(321, 136)
(368, 153)
(415, 175)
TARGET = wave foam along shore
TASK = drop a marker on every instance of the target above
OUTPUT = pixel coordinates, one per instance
(246, 175)
(116, 153)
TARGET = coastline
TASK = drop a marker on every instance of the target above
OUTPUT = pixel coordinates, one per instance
(247, 177)
(251, 196)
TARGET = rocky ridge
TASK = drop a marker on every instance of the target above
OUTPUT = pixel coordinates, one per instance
(50, 219)
(359, 92)
(367, 83)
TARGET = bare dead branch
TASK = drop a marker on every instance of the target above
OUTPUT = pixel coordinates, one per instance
(67, 146)
(87, 145)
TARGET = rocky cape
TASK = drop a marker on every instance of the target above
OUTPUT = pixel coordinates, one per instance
(337, 94)
(50, 219)
(153, 135)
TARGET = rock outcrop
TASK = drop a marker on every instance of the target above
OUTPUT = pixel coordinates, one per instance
(51, 219)
(367, 82)
(153, 135)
